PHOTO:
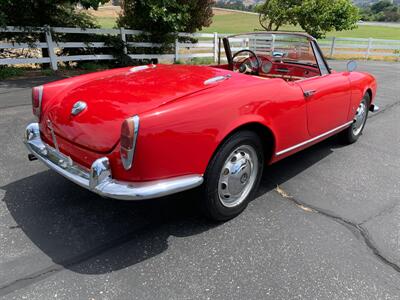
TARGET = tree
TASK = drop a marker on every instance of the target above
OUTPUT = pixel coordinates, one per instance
(37, 13)
(165, 17)
(314, 16)
(382, 11)
(380, 6)
(320, 16)
(46, 12)
(275, 13)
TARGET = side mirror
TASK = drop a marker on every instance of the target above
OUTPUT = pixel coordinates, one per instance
(351, 66)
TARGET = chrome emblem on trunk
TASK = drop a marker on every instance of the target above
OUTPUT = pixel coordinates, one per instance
(78, 108)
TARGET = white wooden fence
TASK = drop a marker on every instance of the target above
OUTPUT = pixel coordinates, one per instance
(363, 48)
(206, 47)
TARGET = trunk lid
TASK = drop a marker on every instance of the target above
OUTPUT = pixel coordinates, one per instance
(112, 99)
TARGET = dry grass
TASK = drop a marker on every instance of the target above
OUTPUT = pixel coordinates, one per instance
(106, 12)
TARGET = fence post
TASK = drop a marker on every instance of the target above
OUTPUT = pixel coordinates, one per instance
(369, 48)
(215, 47)
(123, 38)
(50, 47)
(273, 45)
(332, 47)
(176, 50)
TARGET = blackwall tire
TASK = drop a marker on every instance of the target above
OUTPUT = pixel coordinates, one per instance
(233, 176)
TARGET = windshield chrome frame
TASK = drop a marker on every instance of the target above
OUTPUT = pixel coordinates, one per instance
(318, 55)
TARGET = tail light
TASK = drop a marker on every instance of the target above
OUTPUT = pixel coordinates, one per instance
(129, 132)
(37, 94)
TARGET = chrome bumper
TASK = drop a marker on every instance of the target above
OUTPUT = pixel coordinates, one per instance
(99, 178)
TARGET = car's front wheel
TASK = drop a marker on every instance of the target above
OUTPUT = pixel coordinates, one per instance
(233, 176)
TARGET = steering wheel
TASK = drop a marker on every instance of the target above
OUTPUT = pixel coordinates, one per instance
(249, 65)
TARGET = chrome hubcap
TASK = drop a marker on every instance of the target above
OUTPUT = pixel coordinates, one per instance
(359, 118)
(238, 176)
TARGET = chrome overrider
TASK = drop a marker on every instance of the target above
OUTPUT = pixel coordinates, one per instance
(99, 178)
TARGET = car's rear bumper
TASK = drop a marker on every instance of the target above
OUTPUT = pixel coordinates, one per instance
(99, 178)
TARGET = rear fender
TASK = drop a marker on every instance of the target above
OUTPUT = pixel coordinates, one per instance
(253, 123)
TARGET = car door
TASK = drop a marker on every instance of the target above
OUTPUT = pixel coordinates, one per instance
(327, 97)
(327, 100)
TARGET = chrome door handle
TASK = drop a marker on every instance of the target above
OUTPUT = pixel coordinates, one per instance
(309, 93)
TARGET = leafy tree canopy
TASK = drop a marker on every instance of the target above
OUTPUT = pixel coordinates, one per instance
(315, 16)
(46, 12)
(382, 11)
(163, 17)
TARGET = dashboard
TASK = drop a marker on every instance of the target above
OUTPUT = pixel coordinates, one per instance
(285, 69)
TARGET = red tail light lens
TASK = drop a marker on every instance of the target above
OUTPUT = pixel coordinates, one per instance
(37, 94)
(129, 132)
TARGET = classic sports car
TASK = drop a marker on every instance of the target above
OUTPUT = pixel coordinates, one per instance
(149, 131)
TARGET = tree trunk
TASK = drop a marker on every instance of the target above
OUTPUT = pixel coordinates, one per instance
(261, 22)
(270, 25)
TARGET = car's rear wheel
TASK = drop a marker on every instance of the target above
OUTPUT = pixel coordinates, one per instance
(352, 133)
(233, 176)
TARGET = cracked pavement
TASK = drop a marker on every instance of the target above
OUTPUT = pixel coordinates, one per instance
(326, 224)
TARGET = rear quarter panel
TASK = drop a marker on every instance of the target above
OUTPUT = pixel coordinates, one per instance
(181, 137)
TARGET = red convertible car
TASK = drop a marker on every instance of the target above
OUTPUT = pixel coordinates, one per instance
(149, 131)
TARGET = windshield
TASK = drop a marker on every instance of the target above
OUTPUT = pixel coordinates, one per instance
(285, 47)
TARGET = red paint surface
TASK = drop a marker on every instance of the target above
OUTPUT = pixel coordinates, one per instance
(182, 121)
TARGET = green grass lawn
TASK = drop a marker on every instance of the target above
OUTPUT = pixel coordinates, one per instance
(366, 31)
(106, 22)
(238, 22)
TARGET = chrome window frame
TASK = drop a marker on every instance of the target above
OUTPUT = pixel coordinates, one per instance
(319, 58)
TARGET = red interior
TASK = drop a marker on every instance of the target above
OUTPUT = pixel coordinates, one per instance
(289, 71)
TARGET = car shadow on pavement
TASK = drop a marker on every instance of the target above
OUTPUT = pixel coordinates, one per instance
(293, 165)
(88, 234)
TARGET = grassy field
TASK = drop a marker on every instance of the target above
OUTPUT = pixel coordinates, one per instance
(106, 22)
(106, 16)
(238, 22)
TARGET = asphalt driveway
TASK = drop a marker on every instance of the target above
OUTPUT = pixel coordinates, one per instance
(326, 224)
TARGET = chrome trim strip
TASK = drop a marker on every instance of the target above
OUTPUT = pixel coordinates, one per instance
(40, 97)
(99, 178)
(313, 139)
(217, 79)
(142, 68)
(38, 110)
